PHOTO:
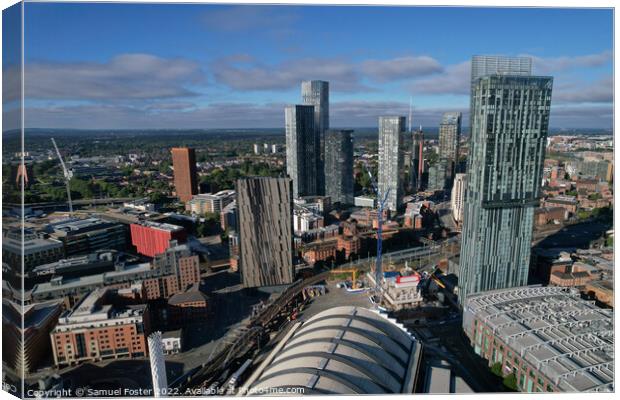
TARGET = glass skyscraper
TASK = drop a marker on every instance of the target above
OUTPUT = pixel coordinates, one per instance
(449, 138)
(316, 93)
(509, 125)
(301, 149)
(391, 160)
(339, 164)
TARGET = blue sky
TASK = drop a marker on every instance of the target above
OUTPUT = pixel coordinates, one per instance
(205, 66)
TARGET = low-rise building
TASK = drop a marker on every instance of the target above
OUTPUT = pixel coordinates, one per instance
(399, 292)
(365, 201)
(602, 291)
(545, 215)
(172, 341)
(35, 250)
(350, 245)
(569, 203)
(83, 236)
(549, 338)
(152, 238)
(322, 250)
(201, 204)
(188, 307)
(94, 330)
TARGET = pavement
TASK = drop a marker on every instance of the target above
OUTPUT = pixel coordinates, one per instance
(335, 297)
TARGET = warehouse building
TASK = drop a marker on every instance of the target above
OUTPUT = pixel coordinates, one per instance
(342, 350)
(549, 337)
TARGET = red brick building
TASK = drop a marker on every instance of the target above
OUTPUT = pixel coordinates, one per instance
(545, 215)
(187, 307)
(185, 176)
(152, 238)
(182, 274)
(94, 330)
(320, 251)
(350, 245)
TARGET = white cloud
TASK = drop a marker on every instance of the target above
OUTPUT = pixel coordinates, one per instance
(546, 65)
(400, 68)
(454, 80)
(126, 76)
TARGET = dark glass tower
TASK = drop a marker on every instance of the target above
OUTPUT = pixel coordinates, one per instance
(509, 125)
(302, 147)
(391, 160)
(339, 164)
(316, 93)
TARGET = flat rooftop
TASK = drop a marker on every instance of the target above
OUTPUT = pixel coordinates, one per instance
(160, 225)
(566, 338)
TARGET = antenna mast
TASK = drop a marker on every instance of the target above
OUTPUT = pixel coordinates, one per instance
(410, 112)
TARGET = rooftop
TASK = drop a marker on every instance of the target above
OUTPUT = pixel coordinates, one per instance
(160, 226)
(342, 350)
(568, 339)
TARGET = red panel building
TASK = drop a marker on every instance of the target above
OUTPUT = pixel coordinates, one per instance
(152, 238)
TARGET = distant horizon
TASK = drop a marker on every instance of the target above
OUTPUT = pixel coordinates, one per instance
(237, 66)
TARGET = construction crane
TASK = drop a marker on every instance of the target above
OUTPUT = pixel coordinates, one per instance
(353, 273)
(68, 174)
(380, 207)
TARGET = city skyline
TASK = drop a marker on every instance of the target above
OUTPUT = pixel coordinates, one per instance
(241, 84)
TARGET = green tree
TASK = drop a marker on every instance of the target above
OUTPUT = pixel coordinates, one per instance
(497, 369)
(510, 381)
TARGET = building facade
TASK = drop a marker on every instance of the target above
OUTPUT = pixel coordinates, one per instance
(417, 160)
(185, 176)
(507, 150)
(339, 165)
(152, 238)
(391, 160)
(265, 207)
(210, 202)
(439, 174)
(302, 147)
(316, 93)
(457, 199)
(95, 331)
(84, 236)
(548, 338)
(33, 249)
(449, 140)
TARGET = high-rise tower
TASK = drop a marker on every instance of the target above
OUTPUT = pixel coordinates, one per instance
(265, 220)
(185, 177)
(391, 159)
(302, 147)
(509, 125)
(417, 159)
(449, 137)
(339, 164)
(316, 93)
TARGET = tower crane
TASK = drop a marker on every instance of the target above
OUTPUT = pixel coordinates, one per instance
(67, 173)
(380, 207)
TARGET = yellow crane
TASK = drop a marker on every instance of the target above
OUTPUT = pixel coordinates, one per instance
(353, 273)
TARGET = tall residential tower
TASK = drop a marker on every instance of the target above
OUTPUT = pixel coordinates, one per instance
(302, 147)
(509, 124)
(316, 93)
(449, 138)
(265, 220)
(339, 164)
(185, 177)
(391, 159)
